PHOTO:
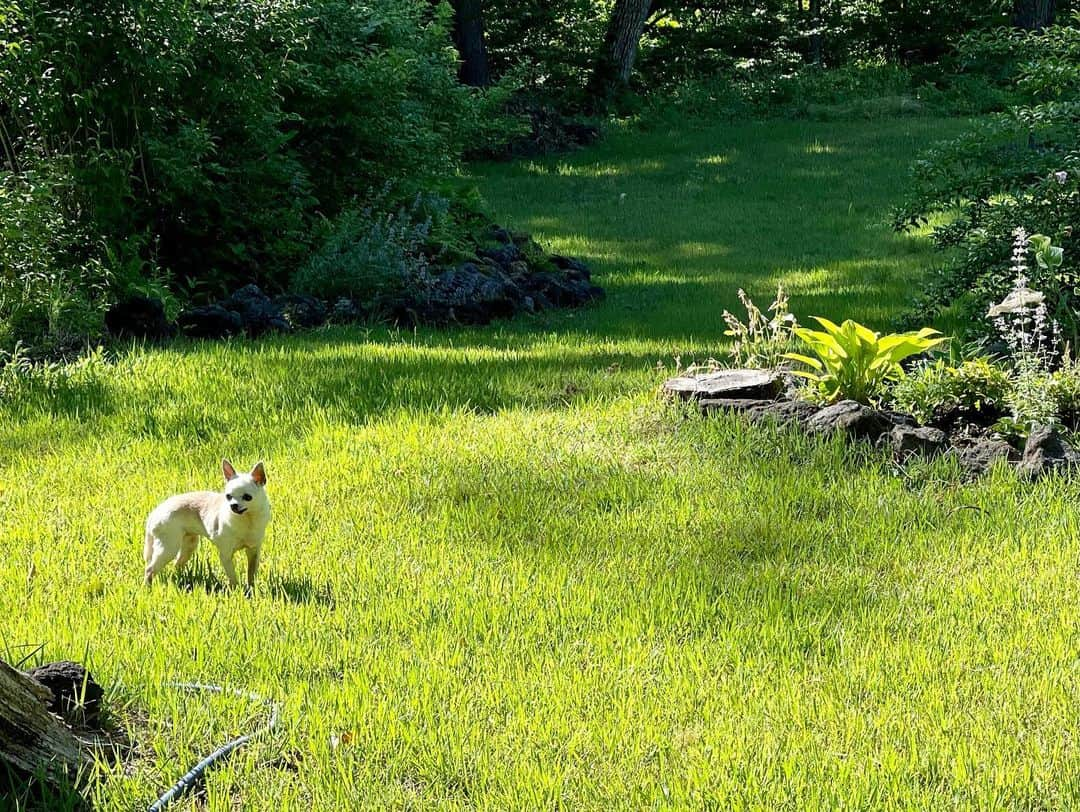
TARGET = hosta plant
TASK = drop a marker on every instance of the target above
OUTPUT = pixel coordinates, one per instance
(855, 363)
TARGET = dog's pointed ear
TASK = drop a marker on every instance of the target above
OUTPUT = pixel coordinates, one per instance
(227, 470)
(258, 474)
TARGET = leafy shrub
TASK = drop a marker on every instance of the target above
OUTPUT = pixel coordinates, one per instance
(366, 252)
(202, 144)
(763, 341)
(855, 363)
(936, 391)
(1031, 400)
(1064, 391)
(1018, 167)
(51, 281)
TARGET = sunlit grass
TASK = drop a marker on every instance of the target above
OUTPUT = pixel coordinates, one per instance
(502, 575)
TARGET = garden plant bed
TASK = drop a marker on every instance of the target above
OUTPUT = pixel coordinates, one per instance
(966, 437)
(508, 274)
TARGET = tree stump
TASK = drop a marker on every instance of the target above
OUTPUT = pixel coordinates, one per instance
(756, 384)
(76, 697)
(32, 739)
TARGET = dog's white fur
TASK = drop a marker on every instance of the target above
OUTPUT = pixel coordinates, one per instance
(233, 520)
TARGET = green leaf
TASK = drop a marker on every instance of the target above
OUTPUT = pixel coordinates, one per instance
(810, 362)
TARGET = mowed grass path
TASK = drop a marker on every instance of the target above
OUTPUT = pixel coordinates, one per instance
(502, 575)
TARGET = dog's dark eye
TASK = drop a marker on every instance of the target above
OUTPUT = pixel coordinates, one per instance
(229, 496)
(247, 497)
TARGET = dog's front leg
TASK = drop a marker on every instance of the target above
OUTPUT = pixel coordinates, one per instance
(253, 566)
(230, 568)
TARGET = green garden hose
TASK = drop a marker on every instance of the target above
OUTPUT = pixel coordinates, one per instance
(192, 777)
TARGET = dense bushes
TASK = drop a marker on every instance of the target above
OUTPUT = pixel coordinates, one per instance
(194, 147)
(1020, 168)
(719, 43)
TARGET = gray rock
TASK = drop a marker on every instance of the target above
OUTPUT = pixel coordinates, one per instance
(469, 296)
(1046, 451)
(569, 264)
(561, 289)
(504, 255)
(727, 384)
(851, 418)
(782, 411)
(898, 418)
(518, 270)
(139, 317)
(257, 311)
(345, 311)
(981, 455)
(212, 321)
(924, 440)
(302, 312)
(498, 234)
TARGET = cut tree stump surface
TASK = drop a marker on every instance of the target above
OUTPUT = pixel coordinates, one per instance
(757, 384)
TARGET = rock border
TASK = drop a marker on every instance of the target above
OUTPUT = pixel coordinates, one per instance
(509, 275)
(976, 449)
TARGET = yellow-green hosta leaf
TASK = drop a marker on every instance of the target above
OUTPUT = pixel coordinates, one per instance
(864, 333)
(810, 376)
(803, 359)
(831, 326)
(823, 343)
(909, 346)
(927, 332)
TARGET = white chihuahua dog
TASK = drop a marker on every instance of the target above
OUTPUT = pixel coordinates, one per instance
(234, 520)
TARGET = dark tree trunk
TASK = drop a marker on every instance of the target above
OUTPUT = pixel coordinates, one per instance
(615, 62)
(1033, 15)
(815, 37)
(469, 40)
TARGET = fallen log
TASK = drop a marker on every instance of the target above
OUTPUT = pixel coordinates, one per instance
(32, 739)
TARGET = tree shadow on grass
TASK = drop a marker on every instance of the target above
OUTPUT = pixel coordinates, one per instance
(330, 377)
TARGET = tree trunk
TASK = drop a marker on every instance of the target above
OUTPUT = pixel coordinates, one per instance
(32, 739)
(469, 39)
(815, 36)
(1033, 15)
(615, 63)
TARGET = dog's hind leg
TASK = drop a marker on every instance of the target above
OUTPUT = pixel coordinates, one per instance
(163, 549)
(187, 548)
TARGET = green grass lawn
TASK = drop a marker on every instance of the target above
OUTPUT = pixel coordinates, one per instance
(503, 575)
